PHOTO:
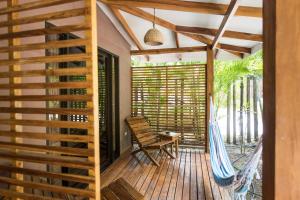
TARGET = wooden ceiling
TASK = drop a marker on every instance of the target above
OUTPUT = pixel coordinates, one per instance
(199, 34)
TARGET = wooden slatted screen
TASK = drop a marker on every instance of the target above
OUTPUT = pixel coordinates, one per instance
(31, 167)
(172, 98)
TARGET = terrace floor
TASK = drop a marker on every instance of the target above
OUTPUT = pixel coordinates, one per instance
(187, 177)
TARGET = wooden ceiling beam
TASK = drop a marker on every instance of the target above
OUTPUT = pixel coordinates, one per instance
(232, 8)
(187, 6)
(213, 32)
(168, 50)
(200, 38)
(126, 27)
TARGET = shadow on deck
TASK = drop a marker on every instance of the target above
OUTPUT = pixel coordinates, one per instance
(187, 177)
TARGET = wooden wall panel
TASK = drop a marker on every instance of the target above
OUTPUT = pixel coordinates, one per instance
(27, 156)
(173, 98)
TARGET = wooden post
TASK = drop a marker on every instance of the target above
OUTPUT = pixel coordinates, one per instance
(241, 111)
(281, 160)
(92, 49)
(209, 89)
(176, 105)
(181, 109)
(167, 97)
(14, 92)
(255, 110)
(142, 98)
(228, 115)
(234, 113)
(248, 111)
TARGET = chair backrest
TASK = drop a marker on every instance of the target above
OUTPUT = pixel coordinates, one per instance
(141, 130)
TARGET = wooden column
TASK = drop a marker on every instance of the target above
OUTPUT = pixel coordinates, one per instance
(281, 152)
(209, 90)
(92, 49)
(13, 92)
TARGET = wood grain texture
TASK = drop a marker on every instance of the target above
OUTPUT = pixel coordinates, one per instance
(230, 12)
(281, 100)
(173, 180)
(227, 33)
(186, 6)
(200, 38)
(33, 145)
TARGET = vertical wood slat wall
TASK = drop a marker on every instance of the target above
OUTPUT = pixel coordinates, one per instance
(172, 98)
(25, 156)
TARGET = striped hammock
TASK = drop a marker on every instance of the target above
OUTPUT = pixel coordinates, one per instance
(223, 171)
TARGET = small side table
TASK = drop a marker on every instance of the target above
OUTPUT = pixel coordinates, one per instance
(174, 137)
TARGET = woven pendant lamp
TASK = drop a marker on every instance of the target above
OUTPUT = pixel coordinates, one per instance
(154, 37)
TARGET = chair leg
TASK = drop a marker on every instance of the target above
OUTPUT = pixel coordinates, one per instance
(150, 157)
(165, 150)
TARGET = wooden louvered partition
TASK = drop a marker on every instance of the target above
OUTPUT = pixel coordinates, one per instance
(35, 161)
(173, 98)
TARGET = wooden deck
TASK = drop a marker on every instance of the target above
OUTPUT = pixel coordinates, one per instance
(187, 177)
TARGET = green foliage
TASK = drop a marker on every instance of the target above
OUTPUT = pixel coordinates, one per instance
(228, 72)
(225, 74)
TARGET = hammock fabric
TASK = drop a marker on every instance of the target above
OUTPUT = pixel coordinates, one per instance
(223, 171)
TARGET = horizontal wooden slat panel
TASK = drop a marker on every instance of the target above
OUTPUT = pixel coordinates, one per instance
(48, 187)
(46, 136)
(61, 111)
(33, 5)
(46, 73)
(65, 161)
(45, 17)
(61, 176)
(172, 98)
(47, 98)
(53, 149)
(46, 45)
(46, 59)
(45, 123)
(10, 193)
(78, 84)
(45, 31)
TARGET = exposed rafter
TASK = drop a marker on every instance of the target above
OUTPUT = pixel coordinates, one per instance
(213, 32)
(168, 50)
(232, 8)
(187, 6)
(126, 27)
(200, 38)
(128, 30)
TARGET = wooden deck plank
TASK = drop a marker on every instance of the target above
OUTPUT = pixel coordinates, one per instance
(166, 185)
(173, 183)
(161, 180)
(138, 169)
(200, 180)
(179, 186)
(155, 179)
(148, 180)
(207, 185)
(193, 185)
(146, 172)
(187, 177)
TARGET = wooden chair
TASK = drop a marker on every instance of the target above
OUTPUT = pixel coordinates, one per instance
(146, 138)
(120, 190)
